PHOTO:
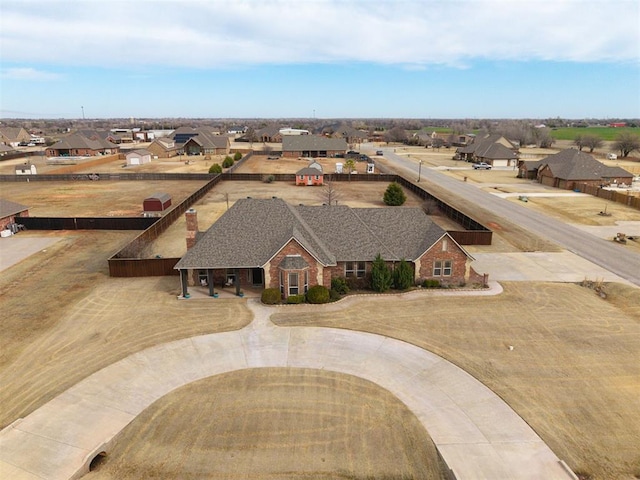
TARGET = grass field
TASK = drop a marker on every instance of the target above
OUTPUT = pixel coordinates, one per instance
(605, 133)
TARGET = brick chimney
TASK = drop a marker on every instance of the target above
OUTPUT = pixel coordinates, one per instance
(191, 216)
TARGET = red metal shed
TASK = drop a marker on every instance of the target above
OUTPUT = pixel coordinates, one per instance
(158, 202)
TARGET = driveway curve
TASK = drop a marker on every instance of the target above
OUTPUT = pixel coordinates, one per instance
(478, 435)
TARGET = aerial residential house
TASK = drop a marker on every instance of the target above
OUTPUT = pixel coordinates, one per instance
(493, 149)
(350, 134)
(268, 243)
(138, 157)
(201, 141)
(269, 134)
(77, 145)
(101, 134)
(164, 147)
(9, 211)
(312, 146)
(311, 175)
(569, 168)
(14, 136)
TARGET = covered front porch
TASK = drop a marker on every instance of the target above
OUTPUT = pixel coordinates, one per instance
(237, 282)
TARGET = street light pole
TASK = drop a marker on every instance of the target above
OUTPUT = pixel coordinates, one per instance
(419, 170)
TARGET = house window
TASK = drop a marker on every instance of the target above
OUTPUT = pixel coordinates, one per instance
(445, 244)
(281, 283)
(293, 283)
(301, 177)
(442, 268)
(306, 281)
(354, 269)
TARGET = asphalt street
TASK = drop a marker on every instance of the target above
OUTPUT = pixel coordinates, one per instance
(603, 253)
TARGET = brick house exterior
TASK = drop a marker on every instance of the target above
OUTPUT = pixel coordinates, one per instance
(77, 145)
(569, 168)
(311, 146)
(9, 211)
(268, 243)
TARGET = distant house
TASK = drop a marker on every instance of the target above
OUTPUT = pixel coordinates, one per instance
(138, 157)
(618, 124)
(6, 150)
(268, 243)
(493, 149)
(201, 141)
(310, 175)
(293, 131)
(312, 146)
(27, 168)
(269, 135)
(14, 136)
(164, 147)
(156, 204)
(101, 134)
(571, 167)
(350, 134)
(9, 211)
(77, 145)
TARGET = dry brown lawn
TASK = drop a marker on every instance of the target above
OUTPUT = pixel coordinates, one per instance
(574, 372)
(274, 423)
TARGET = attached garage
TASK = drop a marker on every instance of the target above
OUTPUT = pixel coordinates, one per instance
(156, 203)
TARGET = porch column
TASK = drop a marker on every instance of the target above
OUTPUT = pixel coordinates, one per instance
(210, 281)
(183, 281)
(236, 273)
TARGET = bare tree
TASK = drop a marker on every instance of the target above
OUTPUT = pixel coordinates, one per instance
(592, 142)
(544, 138)
(627, 142)
(396, 134)
(579, 142)
(329, 193)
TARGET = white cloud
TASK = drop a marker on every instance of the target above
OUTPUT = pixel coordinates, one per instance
(216, 33)
(27, 73)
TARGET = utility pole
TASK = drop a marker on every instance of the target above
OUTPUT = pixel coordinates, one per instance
(419, 170)
(82, 112)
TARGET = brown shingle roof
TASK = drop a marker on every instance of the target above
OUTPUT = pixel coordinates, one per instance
(299, 143)
(8, 208)
(572, 164)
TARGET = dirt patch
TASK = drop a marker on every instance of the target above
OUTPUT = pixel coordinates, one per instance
(274, 423)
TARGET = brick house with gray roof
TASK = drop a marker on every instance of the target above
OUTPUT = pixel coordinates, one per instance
(493, 149)
(9, 211)
(571, 167)
(268, 243)
(312, 146)
(77, 145)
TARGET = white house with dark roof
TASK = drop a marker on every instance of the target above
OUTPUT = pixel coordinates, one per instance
(268, 243)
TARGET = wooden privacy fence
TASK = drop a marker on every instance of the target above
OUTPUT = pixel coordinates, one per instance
(86, 223)
(619, 197)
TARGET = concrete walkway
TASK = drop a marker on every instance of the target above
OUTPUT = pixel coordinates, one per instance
(478, 435)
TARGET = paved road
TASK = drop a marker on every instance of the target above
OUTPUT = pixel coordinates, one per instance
(605, 254)
(479, 436)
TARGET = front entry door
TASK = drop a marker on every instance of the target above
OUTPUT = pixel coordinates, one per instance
(257, 277)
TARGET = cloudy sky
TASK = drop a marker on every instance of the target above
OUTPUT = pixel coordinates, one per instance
(320, 58)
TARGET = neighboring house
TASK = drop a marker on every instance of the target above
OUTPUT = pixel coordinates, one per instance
(269, 135)
(27, 168)
(164, 147)
(310, 175)
(312, 146)
(571, 167)
(201, 141)
(101, 134)
(494, 149)
(77, 145)
(156, 204)
(14, 136)
(138, 157)
(268, 243)
(350, 134)
(6, 150)
(9, 211)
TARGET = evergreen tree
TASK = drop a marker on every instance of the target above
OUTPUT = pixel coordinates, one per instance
(381, 276)
(403, 276)
(394, 195)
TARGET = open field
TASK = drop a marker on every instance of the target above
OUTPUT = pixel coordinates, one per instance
(605, 133)
(274, 423)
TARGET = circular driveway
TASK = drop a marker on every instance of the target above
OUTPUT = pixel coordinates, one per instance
(478, 435)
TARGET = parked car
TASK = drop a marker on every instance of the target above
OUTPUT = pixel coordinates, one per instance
(481, 166)
(379, 153)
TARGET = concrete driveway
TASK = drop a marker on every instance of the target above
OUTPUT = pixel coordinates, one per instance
(478, 435)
